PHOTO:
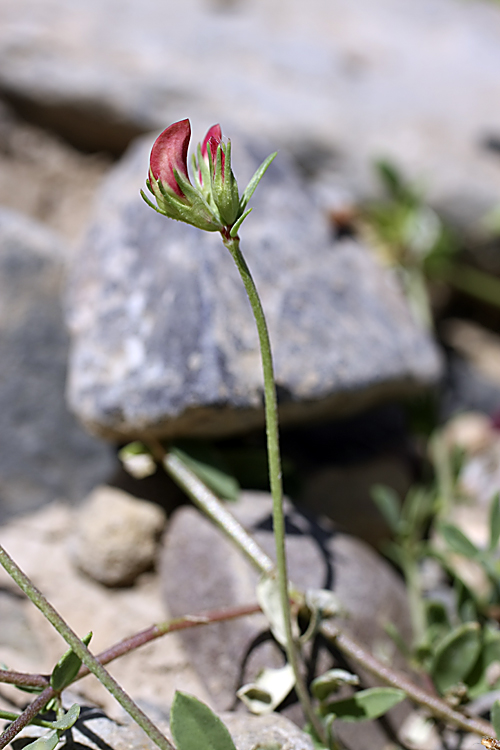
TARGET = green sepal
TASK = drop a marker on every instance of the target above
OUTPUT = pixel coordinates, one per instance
(152, 205)
(225, 187)
(237, 224)
(250, 188)
(67, 668)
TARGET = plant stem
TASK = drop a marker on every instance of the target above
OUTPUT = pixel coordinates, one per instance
(275, 475)
(82, 651)
(355, 651)
(24, 679)
(10, 716)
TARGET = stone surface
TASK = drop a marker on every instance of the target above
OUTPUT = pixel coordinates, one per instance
(249, 732)
(116, 536)
(201, 570)
(44, 453)
(58, 181)
(163, 340)
(38, 542)
(347, 81)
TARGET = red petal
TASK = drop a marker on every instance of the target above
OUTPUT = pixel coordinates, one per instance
(214, 135)
(169, 152)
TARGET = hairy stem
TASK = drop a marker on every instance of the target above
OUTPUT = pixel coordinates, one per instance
(27, 716)
(82, 651)
(275, 475)
(24, 679)
(160, 629)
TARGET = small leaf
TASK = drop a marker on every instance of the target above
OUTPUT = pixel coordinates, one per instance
(250, 188)
(366, 704)
(324, 602)
(195, 727)
(326, 683)
(208, 466)
(495, 522)
(270, 688)
(67, 668)
(69, 718)
(137, 460)
(457, 541)
(495, 717)
(269, 598)
(47, 742)
(455, 656)
(387, 501)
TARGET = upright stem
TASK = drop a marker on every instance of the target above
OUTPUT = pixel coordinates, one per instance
(275, 478)
(82, 651)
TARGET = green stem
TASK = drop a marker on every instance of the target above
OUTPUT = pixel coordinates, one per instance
(415, 602)
(470, 280)
(274, 459)
(82, 651)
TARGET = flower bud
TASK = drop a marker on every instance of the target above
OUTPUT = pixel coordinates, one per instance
(213, 203)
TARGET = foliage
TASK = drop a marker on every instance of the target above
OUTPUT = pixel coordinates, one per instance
(457, 640)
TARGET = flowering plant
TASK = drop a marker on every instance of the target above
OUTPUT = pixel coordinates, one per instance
(213, 203)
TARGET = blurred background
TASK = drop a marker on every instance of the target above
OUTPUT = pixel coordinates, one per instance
(386, 118)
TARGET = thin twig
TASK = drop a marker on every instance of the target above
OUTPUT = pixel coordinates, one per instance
(158, 630)
(23, 678)
(26, 717)
(436, 706)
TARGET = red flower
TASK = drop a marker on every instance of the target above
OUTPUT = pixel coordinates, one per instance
(169, 152)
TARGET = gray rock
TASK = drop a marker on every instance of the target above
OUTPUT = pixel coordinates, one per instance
(250, 732)
(202, 571)
(352, 81)
(164, 342)
(116, 536)
(44, 453)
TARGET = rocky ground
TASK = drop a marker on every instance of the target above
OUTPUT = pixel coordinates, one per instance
(118, 325)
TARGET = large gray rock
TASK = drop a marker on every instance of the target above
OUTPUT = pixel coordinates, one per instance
(163, 340)
(414, 79)
(44, 453)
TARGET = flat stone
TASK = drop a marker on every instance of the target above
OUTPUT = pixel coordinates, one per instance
(116, 536)
(44, 452)
(344, 81)
(201, 570)
(163, 340)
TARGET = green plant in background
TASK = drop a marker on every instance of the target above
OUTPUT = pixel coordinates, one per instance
(411, 237)
(456, 636)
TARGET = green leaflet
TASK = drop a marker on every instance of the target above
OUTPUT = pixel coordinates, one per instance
(195, 727)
